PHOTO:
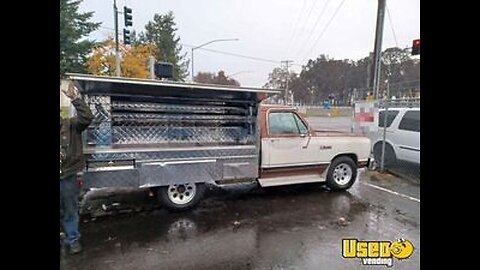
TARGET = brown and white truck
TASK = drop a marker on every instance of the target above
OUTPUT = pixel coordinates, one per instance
(174, 138)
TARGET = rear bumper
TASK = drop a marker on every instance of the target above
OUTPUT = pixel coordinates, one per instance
(367, 163)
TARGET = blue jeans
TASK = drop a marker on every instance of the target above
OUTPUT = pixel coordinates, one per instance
(69, 192)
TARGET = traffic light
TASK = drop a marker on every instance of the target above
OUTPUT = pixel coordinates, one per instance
(127, 13)
(126, 37)
(416, 47)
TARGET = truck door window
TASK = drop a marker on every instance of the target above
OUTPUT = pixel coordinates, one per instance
(282, 123)
(301, 126)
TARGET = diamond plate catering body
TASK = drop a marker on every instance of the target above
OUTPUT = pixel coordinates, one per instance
(149, 133)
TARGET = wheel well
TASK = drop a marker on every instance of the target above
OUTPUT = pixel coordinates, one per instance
(379, 144)
(350, 155)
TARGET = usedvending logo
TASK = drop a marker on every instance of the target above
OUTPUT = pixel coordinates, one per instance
(377, 252)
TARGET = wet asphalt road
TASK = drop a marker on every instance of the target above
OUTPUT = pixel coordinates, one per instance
(291, 227)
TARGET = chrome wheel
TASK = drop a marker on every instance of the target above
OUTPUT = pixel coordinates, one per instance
(181, 194)
(342, 174)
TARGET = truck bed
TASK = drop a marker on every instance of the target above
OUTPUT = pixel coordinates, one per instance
(154, 133)
(143, 167)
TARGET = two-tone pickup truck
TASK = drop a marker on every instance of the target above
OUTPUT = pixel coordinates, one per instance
(175, 137)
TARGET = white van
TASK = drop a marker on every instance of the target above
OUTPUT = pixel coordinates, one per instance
(402, 136)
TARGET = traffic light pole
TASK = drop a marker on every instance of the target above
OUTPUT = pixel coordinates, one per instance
(117, 51)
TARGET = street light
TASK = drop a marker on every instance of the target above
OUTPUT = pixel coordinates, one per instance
(240, 72)
(204, 44)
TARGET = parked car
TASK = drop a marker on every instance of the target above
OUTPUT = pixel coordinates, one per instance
(402, 140)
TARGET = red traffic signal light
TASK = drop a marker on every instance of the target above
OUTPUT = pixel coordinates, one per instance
(416, 47)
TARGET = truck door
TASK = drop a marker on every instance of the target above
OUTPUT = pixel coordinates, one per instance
(287, 141)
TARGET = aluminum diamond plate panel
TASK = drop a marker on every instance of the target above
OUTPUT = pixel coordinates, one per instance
(190, 135)
(168, 155)
(120, 178)
(213, 108)
(125, 122)
(99, 133)
(157, 174)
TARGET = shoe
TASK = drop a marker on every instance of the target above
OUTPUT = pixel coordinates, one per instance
(75, 248)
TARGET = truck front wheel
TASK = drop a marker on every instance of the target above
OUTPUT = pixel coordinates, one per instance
(342, 173)
(181, 197)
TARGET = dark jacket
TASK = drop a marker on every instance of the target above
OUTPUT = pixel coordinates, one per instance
(71, 148)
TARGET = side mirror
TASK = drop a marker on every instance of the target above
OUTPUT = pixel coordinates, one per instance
(303, 135)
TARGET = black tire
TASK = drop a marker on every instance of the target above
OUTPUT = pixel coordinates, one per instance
(345, 176)
(390, 157)
(173, 205)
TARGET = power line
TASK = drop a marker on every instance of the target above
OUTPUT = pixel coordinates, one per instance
(108, 28)
(302, 29)
(324, 29)
(310, 13)
(235, 54)
(316, 23)
(243, 56)
(295, 25)
(391, 25)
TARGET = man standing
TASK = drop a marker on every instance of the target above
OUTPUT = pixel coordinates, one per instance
(71, 163)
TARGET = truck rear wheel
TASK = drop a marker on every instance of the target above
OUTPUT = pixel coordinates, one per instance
(342, 173)
(181, 197)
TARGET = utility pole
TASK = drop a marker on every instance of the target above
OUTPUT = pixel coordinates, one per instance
(286, 62)
(117, 51)
(388, 90)
(378, 46)
(369, 71)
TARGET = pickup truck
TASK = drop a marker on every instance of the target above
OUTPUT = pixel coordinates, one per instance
(174, 138)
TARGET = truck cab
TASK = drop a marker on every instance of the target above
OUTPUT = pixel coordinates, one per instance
(292, 152)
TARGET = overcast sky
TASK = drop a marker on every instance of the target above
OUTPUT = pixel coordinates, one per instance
(273, 30)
